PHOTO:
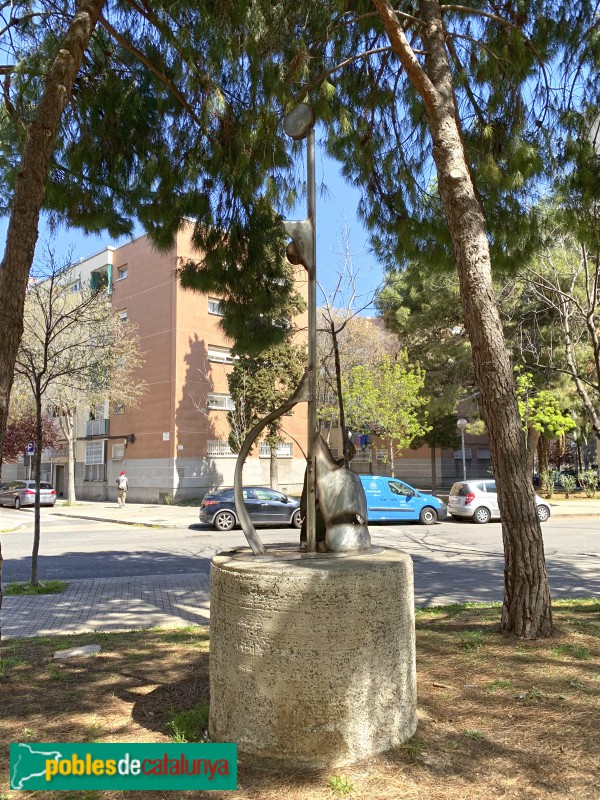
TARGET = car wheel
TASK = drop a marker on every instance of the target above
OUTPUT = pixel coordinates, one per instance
(224, 521)
(481, 515)
(17, 503)
(297, 519)
(543, 513)
(427, 516)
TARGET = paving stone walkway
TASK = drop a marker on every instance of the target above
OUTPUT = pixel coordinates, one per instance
(110, 604)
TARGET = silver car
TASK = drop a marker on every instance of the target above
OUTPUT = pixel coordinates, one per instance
(478, 501)
(22, 493)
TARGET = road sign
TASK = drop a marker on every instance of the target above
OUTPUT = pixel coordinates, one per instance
(30, 449)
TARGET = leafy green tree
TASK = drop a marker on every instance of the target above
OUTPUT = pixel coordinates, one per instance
(258, 384)
(386, 400)
(542, 416)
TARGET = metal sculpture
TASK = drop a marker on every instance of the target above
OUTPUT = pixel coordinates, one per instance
(341, 496)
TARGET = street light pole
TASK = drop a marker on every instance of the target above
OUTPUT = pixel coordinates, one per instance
(461, 425)
(299, 124)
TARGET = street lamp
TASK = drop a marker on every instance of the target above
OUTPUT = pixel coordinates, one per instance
(461, 425)
(298, 125)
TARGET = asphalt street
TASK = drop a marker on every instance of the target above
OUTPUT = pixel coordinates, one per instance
(453, 561)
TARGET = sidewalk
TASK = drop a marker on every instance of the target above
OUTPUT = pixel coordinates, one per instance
(144, 514)
(110, 604)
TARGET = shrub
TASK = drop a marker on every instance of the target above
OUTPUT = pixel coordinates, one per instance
(569, 482)
(547, 483)
(588, 480)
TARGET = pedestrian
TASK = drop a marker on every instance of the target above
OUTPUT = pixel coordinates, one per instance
(122, 487)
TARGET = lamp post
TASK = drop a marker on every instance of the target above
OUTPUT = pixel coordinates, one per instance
(461, 425)
(298, 125)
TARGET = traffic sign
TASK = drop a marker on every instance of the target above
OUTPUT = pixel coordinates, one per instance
(30, 449)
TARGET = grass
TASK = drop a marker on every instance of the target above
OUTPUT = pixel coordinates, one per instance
(46, 587)
(497, 717)
(190, 726)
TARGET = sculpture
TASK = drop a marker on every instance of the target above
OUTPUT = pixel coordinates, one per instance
(341, 496)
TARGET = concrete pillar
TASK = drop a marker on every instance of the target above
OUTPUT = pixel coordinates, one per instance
(312, 659)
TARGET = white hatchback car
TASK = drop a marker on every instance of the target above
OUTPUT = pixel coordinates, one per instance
(477, 500)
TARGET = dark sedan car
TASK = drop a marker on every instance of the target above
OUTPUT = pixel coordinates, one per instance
(265, 507)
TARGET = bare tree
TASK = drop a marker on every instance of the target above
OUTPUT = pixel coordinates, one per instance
(74, 352)
(559, 331)
(338, 345)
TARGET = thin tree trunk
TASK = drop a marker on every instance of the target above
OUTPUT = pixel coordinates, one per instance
(338, 385)
(39, 440)
(391, 452)
(30, 189)
(274, 468)
(527, 609)
(433, 471)
(533, 436)
(67, 426)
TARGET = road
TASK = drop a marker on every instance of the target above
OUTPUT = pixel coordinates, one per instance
(453, 561)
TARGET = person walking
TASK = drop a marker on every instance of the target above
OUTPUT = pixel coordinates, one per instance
(122, 487)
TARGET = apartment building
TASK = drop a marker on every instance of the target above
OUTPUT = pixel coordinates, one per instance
(173, 446)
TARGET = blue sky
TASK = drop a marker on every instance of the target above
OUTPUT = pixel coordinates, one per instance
(336, 208)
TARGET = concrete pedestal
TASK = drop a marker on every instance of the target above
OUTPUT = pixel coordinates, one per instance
(312, 659)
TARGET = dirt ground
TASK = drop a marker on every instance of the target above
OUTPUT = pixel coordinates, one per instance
(498, 718)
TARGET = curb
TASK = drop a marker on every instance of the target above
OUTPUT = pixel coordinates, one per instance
(135, 524)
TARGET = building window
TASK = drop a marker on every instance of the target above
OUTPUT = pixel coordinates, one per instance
(123, 315)
(121, 272)
(219, 401)
(214, 307)
(221, 354)
(328, 424)
(76, 286)
(95, 468)
(284, 450)
(483, 453)
(381, 455)
(458, 454)
(99, 280)
(118, 452)
(219, 447)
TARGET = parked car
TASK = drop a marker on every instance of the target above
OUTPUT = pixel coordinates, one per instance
(265, 507)
(22, 493)
(392, 500)
(478, 501)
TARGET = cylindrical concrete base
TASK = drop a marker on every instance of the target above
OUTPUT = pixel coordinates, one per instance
(312, 660)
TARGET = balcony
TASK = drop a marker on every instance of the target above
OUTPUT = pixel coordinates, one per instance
(96, 427)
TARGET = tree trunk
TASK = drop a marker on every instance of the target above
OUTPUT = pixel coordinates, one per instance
(1, 563)
(391, 452)
(533, 436)
(527, 609)
(67, 426)
(433, 471)
(29, 192)
(338, 384)
(39, 440)
(274, 468)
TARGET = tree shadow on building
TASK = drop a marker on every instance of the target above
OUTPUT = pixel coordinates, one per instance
(196, 432)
